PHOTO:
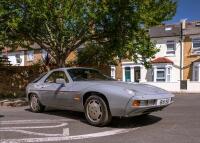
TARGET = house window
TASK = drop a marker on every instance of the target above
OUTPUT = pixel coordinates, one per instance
(196, 71)
(168, 74)
(196, 74)
(18, 59)
(170, 47)
(196, 46)
(30, 55)
(160, 74)
(113, 72)
(44, 54)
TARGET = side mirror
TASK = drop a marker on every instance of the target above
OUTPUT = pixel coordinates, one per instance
(60, 81)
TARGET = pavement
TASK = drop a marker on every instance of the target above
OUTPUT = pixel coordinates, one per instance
(18, 102)
(178, 123)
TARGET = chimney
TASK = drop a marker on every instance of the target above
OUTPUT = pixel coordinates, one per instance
(183, 23)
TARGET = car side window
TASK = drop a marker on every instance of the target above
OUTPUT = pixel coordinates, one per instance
(56, 75)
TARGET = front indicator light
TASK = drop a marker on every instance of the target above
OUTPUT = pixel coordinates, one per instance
(136, 103)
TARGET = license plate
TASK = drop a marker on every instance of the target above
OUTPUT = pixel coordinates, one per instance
(163, 101)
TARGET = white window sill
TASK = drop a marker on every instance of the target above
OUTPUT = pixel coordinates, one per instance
(195, 54)
(170, 55)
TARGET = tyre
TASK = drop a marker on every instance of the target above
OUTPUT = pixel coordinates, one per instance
(97, 112)
(35, 104)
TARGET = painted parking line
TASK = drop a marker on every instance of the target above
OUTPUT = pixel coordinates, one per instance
(52, 137)
(33, 127)
(33, 121)
(67, 138)
(23, 130)
(33, 133)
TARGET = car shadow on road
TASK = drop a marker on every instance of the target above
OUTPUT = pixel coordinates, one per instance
(1, 116)
(131, 122)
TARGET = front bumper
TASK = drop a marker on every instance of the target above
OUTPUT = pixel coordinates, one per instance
(139, 110)
(143, 110)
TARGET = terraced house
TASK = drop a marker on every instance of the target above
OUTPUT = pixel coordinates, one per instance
(165, 66)
(191, 44)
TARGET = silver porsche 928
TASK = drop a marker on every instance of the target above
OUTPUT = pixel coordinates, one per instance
(98, 96)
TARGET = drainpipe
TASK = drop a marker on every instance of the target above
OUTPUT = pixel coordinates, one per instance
(181, 50)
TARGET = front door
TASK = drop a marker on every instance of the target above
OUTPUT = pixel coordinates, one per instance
(127, 74)
(137, 74)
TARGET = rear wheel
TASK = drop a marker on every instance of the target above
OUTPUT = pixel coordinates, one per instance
(97, 112)
(35, 104)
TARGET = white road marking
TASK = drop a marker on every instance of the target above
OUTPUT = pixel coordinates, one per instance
(33, 121)
(33, 133)
(66, 132)
(75, 137)
(33, 127)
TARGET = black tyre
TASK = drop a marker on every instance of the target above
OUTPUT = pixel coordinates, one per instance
(35, 104)
(97, 112)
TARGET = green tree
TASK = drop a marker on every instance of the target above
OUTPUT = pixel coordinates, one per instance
(117, 27)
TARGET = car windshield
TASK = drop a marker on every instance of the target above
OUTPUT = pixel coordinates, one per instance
(37, 79)
(87, 75)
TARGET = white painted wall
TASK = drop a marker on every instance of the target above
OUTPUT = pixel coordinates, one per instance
(169, 86)
(161, 45)
(12, 58)
(192, 87)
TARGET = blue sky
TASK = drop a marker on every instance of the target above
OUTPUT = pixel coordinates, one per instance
(189, 9)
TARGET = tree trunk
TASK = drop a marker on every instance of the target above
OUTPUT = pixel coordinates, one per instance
(60, 62)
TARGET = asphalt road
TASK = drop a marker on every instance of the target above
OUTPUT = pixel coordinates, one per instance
(179, 123)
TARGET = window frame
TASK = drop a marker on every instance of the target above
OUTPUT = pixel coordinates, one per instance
(166, 68)
(168, 74)
(30, 58)
(171, 52)
(113, 72)
(44, 53)
(158, 69)
(65, 78)
(195, 50)
(18, 58)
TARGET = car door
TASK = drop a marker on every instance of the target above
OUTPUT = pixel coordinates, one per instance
(53, 93)
(47, 89)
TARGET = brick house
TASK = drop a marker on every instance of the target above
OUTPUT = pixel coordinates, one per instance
(24, 57)
(191, 46)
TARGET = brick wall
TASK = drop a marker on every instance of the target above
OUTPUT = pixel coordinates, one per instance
(13, 80)
(188, 58)
(37, 57)
(118, 74)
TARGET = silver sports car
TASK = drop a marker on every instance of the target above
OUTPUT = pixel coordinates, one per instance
(98, 96)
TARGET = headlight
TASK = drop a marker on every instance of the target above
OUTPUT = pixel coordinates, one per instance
(136, 103)
(132, 92)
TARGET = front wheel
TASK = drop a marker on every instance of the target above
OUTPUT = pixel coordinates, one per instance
(35, 104)
(97, 112)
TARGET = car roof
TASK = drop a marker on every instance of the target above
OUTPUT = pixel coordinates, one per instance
(67, 68)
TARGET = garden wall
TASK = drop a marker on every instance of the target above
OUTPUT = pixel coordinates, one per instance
(13, 79)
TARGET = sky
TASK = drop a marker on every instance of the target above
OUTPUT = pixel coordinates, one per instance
(186, 9)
